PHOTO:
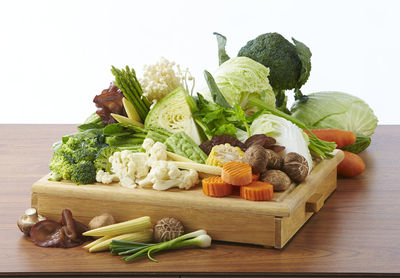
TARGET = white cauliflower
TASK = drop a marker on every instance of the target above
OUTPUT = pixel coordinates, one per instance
(105, 177)
(164, 175)
(132, 169)
(162, 78)
(128, 168)
(155, 151)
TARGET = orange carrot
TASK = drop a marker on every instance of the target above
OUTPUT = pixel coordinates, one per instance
(257, 191)
(352, 165)
(340, 137)
(216, 187)
(255, 177)
(236, 173)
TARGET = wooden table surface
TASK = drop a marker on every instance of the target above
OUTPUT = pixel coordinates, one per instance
(357, 231)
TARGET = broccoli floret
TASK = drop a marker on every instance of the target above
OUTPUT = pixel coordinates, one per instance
(289, 64)
(73, 160)
(61, 166)
(102, 160)
(83, 172)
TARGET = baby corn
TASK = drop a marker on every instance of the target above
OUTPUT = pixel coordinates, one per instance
(131, 226)
(142, 236)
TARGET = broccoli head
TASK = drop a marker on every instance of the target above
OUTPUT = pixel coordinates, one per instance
(73, 159)
(83, 172)
(102, 160)
(61, 166)
(289, 64)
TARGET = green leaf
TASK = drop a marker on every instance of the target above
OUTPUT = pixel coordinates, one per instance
(241, 115)
(305, 57)
(362, 142)
(221, 40)
(216, 94)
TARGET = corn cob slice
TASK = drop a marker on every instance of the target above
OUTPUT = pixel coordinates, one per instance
(224, 153)
(131, 226)
(142, 236)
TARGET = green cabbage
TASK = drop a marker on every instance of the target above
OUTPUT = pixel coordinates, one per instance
(241, 77)
(336, 110)
(285, 133)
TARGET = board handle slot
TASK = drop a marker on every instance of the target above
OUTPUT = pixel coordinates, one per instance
(315, 203)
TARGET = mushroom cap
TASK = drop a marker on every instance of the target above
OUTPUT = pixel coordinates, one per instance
(256, 157)
(295, 166)
(168, 228)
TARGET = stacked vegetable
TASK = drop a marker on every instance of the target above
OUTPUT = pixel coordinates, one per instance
(154, 132)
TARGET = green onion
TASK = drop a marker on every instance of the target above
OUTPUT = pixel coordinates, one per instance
(198, 238)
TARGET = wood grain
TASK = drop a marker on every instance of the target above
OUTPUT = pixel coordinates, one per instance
(356, 231)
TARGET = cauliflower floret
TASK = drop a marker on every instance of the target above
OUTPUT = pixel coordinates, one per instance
(164, 175)
(162, 78)
(129, 167)
(105, 177)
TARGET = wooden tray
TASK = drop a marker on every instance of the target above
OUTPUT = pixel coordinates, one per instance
(233, 219)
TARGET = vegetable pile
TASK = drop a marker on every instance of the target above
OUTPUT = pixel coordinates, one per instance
(155, 132)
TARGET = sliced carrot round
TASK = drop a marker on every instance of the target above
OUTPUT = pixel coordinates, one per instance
(236, 173)
(257, 191)
(216, 187)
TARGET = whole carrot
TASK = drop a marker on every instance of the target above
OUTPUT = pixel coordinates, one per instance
(340, 137)
(352, 165)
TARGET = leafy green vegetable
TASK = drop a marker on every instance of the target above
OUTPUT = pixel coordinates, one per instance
(127, 82)
(362, 142)
(221, 40)
(174, 114)
(285, 133)
(180, 143)
(241, 77)
(214, 119)
(216, 94)
(241, 115)
(336, 110)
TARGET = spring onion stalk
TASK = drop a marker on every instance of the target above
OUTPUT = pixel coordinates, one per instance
(320, 147)
(198, 238)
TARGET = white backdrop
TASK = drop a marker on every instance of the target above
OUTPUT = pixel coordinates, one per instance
(55, 56)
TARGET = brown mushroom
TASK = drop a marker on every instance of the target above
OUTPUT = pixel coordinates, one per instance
(168, 228)
(30, 218)
(274, 160)
(102, 220)
(256, 157)
(260, 139)
(277, 178)
(295, 166)
(67, 233)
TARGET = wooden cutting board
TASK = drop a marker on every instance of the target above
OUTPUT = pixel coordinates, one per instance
(268, 223)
